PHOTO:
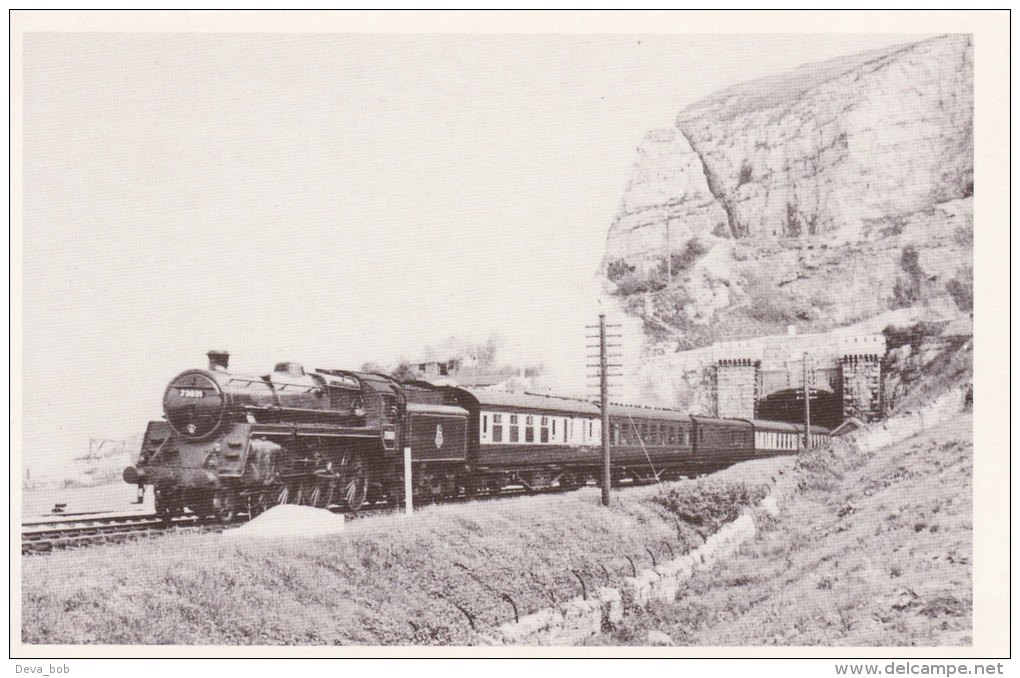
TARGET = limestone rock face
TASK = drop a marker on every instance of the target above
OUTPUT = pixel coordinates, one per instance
(818, 198)
(668, 185)
(832, 146)
(824, 149)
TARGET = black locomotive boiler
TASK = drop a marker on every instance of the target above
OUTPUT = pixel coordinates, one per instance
(232, 443)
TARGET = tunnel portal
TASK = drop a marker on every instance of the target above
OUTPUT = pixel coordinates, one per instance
(788, 405)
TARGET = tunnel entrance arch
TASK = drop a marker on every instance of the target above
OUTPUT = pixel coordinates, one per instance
(788, 405)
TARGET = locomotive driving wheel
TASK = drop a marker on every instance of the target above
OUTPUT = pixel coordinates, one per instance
(322, 493)
(169, 504)
(226, 507)
(256, 504)
(354, 480)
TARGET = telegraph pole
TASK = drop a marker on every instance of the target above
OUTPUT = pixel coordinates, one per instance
(604, 399)
(603, 366)
(807, 405)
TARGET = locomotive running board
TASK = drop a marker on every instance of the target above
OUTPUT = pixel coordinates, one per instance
(285, 430)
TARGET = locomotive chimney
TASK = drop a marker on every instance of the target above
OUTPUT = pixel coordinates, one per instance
(218, 360)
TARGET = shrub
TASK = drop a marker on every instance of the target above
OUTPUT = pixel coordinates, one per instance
(962, 291)
(405, 371)
(618, 268)
(909, 262)
(964, 236)
(710, 503)
(904, 294)
(745, 174)
(907, 291)
(895, 226)
(635, 284)
(792, 221)
(682, 260)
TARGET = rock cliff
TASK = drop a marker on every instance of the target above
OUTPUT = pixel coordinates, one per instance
(848, 178)
(821, 197)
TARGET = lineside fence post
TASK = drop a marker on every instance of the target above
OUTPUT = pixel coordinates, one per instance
(408, 484)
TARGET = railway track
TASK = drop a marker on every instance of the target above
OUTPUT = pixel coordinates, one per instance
(49, 535)
(80, 530)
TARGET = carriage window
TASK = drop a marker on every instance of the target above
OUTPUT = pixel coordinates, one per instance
(497, 428)
(544, 437)
(515, 431)
(591, 429)
(485, 423)
(672, 435)
(554, 428)
(529, 429)
(616, 434)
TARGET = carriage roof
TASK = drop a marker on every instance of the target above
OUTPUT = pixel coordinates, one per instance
(530, 401)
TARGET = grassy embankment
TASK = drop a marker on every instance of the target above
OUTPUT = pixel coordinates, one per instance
(873, 548)
(386, 580)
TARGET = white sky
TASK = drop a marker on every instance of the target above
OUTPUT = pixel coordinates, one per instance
(331, 199)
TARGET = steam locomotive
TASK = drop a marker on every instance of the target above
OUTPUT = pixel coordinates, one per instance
(232, 443)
